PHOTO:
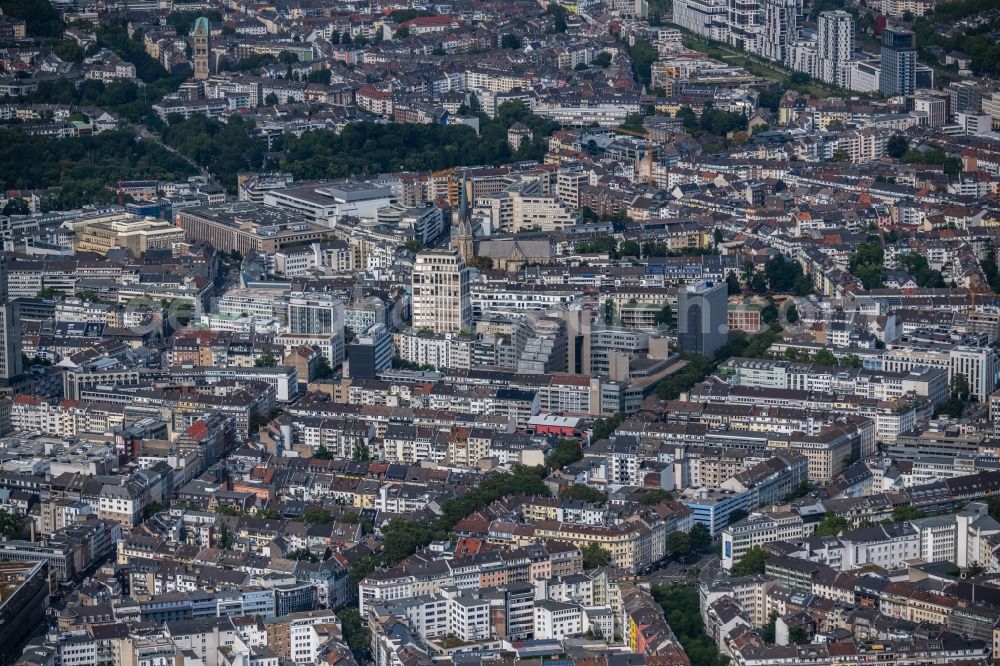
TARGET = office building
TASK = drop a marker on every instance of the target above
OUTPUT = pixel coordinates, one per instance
(702, 310)
(441, 299)
(934, 108)
(24, 588)
(10, 335)
(246, 227)
(836, 43)
(199, 39)
(313, 312)
(370, 353)
(316, 319)
(899, 62)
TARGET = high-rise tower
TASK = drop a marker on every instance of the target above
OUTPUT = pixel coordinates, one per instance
(836, 44)
(899, 62)
(10, 335)
(441, 298)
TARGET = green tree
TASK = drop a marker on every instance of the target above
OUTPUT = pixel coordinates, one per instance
(322, 453)
(906, 512)
(643, 56)
(917, 265)
(266, 360)
(559, 14)
(768, 634)
(832, 525)
(752, 562)
(792, 314)
(960, 385)
(565, 452)
(824, 357)
(665, 317)
(595, 556)
(680, 609)
(510, 41)
(896, 146)
(41, 20)
(68, 51)
(361, 451)
(271, 99)
(952, 407)
(301, 554)
(603, 428)
(679, 544)
(225, 538)
(255, 62)
(633, 123)
(315, 515)
(721, 123)
(322, 76)
(797, 635)
(323, 369)
(700, 537)
(360, 570)
(629, 248)
(9, 524)
(579, 491)
(733, 284)
(151, 510)
(655, 496)
(355, 632)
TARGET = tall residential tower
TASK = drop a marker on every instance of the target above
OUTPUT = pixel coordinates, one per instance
(836, 43)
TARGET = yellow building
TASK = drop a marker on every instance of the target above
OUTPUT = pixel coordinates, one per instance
(137, 235)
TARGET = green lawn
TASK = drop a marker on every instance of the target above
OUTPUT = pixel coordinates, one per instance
(772, 72)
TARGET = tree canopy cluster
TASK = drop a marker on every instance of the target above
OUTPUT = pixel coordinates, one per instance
(976, 41)
(372, 148)
(785, 276)
(696, 370)
(680, 609)
(712, 121)
(584, 493)
(643, 55)
(916, 264)
(752, 562)
(867, 264)
(85, 169)
(41, 19)
(402, 537)
(361, 148)
(223, 149)
(565, 452)
(595, 556)
(991, 271)
(951, 165)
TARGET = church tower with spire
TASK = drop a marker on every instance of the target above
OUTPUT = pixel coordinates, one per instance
(464, 237)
